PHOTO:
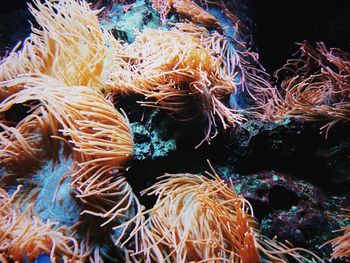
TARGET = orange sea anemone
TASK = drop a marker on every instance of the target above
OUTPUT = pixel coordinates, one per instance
(94, 127)
(237, 54)
(28, 142)
(187, 9)
(341, 244)
(102, 145)
(24, 235)
(317, 86)
(196, 219)
(68, 45)
(59, 72)
(182, 71)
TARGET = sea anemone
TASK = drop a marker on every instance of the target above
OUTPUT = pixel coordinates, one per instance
(24, 235)
(57, 73)
(315, 86)
(182, 71)
(191, 223)
(341, 244)
(204, 220)
(101, 144)
(101, 138)
(187, 9)
(95, 128)
(68, 45)
(237, 54)
(28, 143)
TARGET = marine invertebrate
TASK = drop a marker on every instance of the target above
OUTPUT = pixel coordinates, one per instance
(181, 71)
(95, 128)
(341, 244)
(68, 45)
(28, 141)
(58, 72)
(200, 219)
(237, 54)
(187, 9)
(316, 87)
(182, 224)
(102, 143)
(24, 235)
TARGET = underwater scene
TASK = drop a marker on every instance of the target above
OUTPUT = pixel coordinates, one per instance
(175, 131)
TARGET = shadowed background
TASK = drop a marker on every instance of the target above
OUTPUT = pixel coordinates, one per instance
(278, 25)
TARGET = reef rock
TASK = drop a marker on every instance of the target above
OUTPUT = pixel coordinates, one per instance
(293, 147)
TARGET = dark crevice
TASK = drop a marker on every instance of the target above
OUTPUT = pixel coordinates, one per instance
(282, 199)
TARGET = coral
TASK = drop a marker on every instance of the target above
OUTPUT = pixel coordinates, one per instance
(154, 139)
(289, 208)
(123, 24)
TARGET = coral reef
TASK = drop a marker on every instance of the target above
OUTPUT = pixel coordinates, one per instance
(79, 182)
(153, 143)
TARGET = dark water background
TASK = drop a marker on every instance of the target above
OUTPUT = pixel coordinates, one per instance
(279, 24)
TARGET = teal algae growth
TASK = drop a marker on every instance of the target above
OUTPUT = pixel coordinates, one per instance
(123, 23)
(56, 200)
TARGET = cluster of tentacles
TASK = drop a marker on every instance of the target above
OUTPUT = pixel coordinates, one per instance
(65, 71)
(24, 235)
(193, 70)
(57, 74)
(314, 87)
(201, 219)
(183, 71)
(341, 244)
